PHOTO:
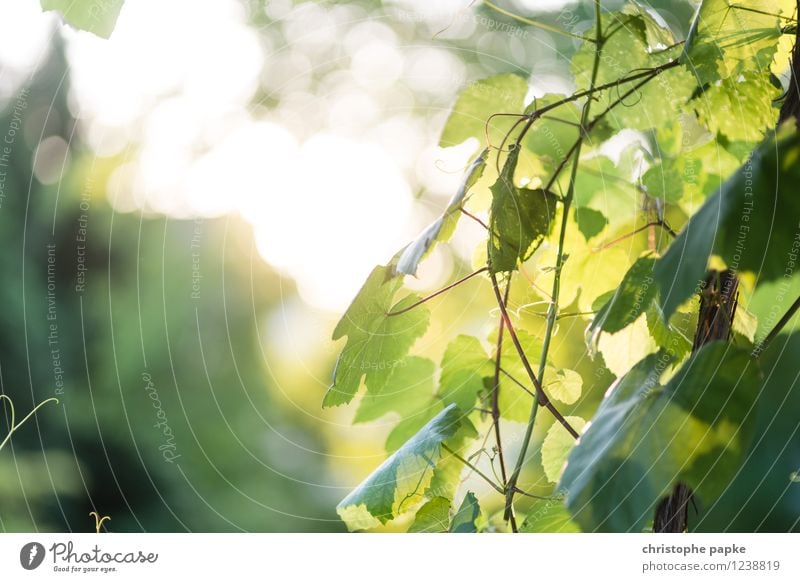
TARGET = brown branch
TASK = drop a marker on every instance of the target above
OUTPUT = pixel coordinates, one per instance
(542, 397)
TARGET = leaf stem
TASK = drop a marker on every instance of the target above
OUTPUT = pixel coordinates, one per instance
(477, 471)
(437, 293)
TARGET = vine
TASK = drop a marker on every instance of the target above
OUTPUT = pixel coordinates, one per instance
(653, 420)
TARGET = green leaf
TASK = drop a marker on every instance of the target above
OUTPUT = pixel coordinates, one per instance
(666, 336)
(622, 350)
(503, 93)
(465, 365)
(632, 298)
(433, 517)
(764, 495)
(750, 223)
(730, 36)
(376, 342)
(590, 222)
(548, 516)
(551, 137)
(97, 16)
(626, 50)
(409, 386)
(563, 384)
(520, 219)
(608, 188)
(743, 108)
(557, 445)
(658, 35)
(514, 402)
(441, 229)
(646, 437)
(665, 180)
(398, 483)
(464, 519)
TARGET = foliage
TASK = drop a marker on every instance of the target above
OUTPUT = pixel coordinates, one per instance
(676, 136)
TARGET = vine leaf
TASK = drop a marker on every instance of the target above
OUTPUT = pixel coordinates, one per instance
(730, 36)
(514, 402)
(478, 102)
(441, 229)
(467, 514)
(557, 445)
(376, 342)
(398, 483)
(520, 219)
(646, 437)
(743, 108)
(750, 223)
(764, 494)
(563, 384)
(432, 517)
(99, 18)
(548, 516)
(634, 295)
(408, 393)
(465, 366)
(634, 41)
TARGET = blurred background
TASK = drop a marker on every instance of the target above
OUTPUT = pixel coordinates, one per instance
(185, 211)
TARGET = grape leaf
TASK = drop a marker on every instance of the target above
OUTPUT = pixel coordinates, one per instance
(646, 437)
(627, 49)
(441, 229)
(557, 445)
(410, 385)
(503, 93)
(743, 108)
(376, 342)
(764, 495)
(623, 349)
(750, 223)
(548, 516)
(728, 37)
(96, 16)
(432, 517)
(400, 480)
(563, 384)
(465, 365)
(514, 402)
(464, 519)
(632, 298)
(520, 219)
(551, 136)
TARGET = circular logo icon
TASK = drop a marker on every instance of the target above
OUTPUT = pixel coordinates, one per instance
(31, 555)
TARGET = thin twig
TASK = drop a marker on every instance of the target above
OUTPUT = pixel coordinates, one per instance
(475, 218)
(636, 231)
(477, 471)
(437, 293)
(778, 326)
